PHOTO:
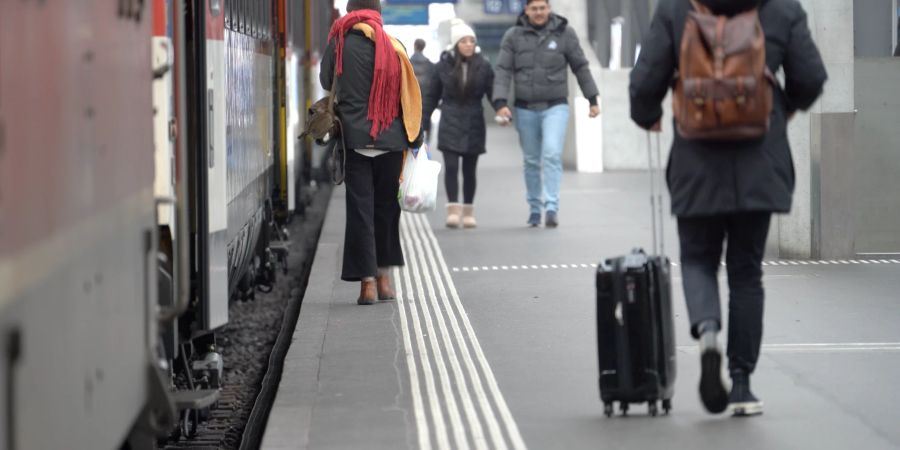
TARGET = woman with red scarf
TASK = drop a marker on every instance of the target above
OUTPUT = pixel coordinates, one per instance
(380, 107)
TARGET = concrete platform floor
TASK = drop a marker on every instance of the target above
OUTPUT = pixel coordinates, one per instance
(492, 341)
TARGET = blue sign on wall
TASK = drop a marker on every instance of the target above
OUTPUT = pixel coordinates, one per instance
(504, 6)
(394, 14)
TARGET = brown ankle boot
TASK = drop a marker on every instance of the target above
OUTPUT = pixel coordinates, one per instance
(385, 291)
(367, 292)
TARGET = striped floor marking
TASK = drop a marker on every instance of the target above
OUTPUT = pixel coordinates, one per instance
(850, 262)
(446, 363)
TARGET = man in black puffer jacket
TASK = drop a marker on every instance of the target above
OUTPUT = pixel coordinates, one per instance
(728, 191)
(536, 54)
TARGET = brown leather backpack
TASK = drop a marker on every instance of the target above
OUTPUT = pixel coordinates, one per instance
(724, 88)
(322, 123)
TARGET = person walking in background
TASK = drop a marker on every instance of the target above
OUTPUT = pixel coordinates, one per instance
(461, 79)
(534, 53)
(424, 69)
(725, 192)
(379, 104)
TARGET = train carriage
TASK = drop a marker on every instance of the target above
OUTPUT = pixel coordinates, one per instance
(77, 221)
(146, 151)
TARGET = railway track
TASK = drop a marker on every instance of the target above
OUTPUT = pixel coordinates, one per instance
(248, 347)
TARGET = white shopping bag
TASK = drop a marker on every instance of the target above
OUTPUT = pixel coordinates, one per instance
(419, 181)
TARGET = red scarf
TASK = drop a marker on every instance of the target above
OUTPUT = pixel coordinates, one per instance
(384, 98)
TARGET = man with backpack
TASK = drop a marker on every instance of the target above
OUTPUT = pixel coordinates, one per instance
(730, 167)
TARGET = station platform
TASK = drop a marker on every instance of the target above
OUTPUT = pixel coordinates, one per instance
(491, 343)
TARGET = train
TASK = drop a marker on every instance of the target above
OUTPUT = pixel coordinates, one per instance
(149, 161)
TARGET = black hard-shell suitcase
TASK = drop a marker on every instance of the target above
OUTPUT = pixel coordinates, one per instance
(635, 335)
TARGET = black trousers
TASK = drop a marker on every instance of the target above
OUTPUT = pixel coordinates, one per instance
(701, 254)
(372, 236)
(451, 176)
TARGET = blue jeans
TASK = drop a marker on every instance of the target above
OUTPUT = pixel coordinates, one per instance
(542, 135)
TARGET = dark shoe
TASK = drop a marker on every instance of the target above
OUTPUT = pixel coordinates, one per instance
(712, 390)
(534, 220)
(742, 402)
(551, 220)
(367, 292)
(385, 291)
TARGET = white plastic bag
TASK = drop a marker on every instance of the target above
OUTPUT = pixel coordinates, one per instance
(419, 182)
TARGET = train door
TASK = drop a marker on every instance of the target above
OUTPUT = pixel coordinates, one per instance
(162, 54)
(294, 97)
(208, 161)
(280, 96)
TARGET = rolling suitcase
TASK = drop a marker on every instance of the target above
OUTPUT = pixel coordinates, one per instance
(635, 335)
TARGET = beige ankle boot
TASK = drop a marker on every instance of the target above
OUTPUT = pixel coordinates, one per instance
(454, 211)
(468, 219)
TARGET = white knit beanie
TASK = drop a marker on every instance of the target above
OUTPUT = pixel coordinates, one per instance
(459, 30)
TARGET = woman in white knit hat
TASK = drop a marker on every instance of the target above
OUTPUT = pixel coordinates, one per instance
(459, 81)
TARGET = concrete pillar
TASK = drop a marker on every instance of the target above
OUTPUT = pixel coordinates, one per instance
(895, 18)
(876, 38)
(831, 24)
(599, 19)
(584, 149)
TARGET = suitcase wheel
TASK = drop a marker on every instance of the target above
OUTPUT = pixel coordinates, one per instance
(608, 409)
(651, 407)
(667, 406)
(623, 408)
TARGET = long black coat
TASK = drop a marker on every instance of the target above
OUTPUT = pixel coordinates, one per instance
(462, 129)
(717, 178)
(353, 88)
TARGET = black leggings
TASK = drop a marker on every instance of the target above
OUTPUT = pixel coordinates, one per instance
(451, 176)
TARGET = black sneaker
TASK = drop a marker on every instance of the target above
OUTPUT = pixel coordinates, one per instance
(712, 390)
(534, 220)
(551, 220)
(742, 402)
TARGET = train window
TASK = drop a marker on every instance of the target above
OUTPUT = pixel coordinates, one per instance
(265, 16)
(254, 19)
(215, 7)
(271, 20)
(227, 14)
(238, 14)
(267, 20)
(259, 17)
(244, 5)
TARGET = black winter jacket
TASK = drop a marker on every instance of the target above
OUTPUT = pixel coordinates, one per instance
(710, 178)
(353, 88)
(462, 128)
(538, 60)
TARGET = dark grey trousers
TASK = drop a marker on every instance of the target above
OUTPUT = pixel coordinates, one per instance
(702, 240)
(372, 236)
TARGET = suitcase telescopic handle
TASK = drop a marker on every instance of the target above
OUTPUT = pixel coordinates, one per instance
(656, 196)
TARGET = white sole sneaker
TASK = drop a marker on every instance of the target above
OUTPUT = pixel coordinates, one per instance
(746, 409)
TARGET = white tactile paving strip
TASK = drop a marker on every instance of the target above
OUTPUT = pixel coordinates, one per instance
(443, 355)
